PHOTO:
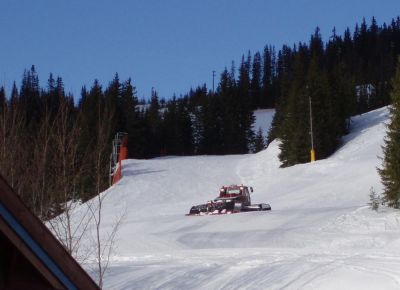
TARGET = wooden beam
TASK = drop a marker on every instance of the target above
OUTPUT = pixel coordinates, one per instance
(27, 253)
(44, 238)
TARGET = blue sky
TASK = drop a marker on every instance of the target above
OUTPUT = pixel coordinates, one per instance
(171, 45)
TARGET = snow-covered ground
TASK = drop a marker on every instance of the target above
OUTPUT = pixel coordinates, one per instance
(320, 233)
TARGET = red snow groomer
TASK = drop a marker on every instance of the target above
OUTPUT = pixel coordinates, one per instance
(231, 199)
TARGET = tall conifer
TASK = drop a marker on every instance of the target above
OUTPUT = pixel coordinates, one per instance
(255, 85)
(390, 171)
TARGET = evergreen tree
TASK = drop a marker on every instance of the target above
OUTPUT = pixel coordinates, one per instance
(112, 97)
(91, 106)
(316, 45)
(132, 120)
(226, 116)
(196, 102)
(212, 139)
(243, 113)
(96, 122)
(333, 50)
(153, 130)
(255, 85)
(374, 200)
(187, 145)
(14, 93)
(3, 103)
(53, 96)
(170, 131)
(390, 171)
(343, 98)
(267, 100)
(283, 81)
(30, 97)
(259, 143)
(178, 132)
(323, 110)
(295, 128)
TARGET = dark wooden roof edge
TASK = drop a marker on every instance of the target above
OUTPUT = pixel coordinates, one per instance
(43, 237)
(20, 245)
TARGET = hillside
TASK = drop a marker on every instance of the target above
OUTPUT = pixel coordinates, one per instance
(320, 233)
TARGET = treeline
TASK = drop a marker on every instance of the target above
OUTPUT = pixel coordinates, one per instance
(347, 75)
(53, 151)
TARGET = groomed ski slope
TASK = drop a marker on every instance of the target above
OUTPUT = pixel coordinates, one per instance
(320, 233)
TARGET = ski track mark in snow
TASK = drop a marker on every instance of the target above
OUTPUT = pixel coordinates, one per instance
(279, 270)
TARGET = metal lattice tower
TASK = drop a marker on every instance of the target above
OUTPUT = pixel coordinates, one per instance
(115, 154)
